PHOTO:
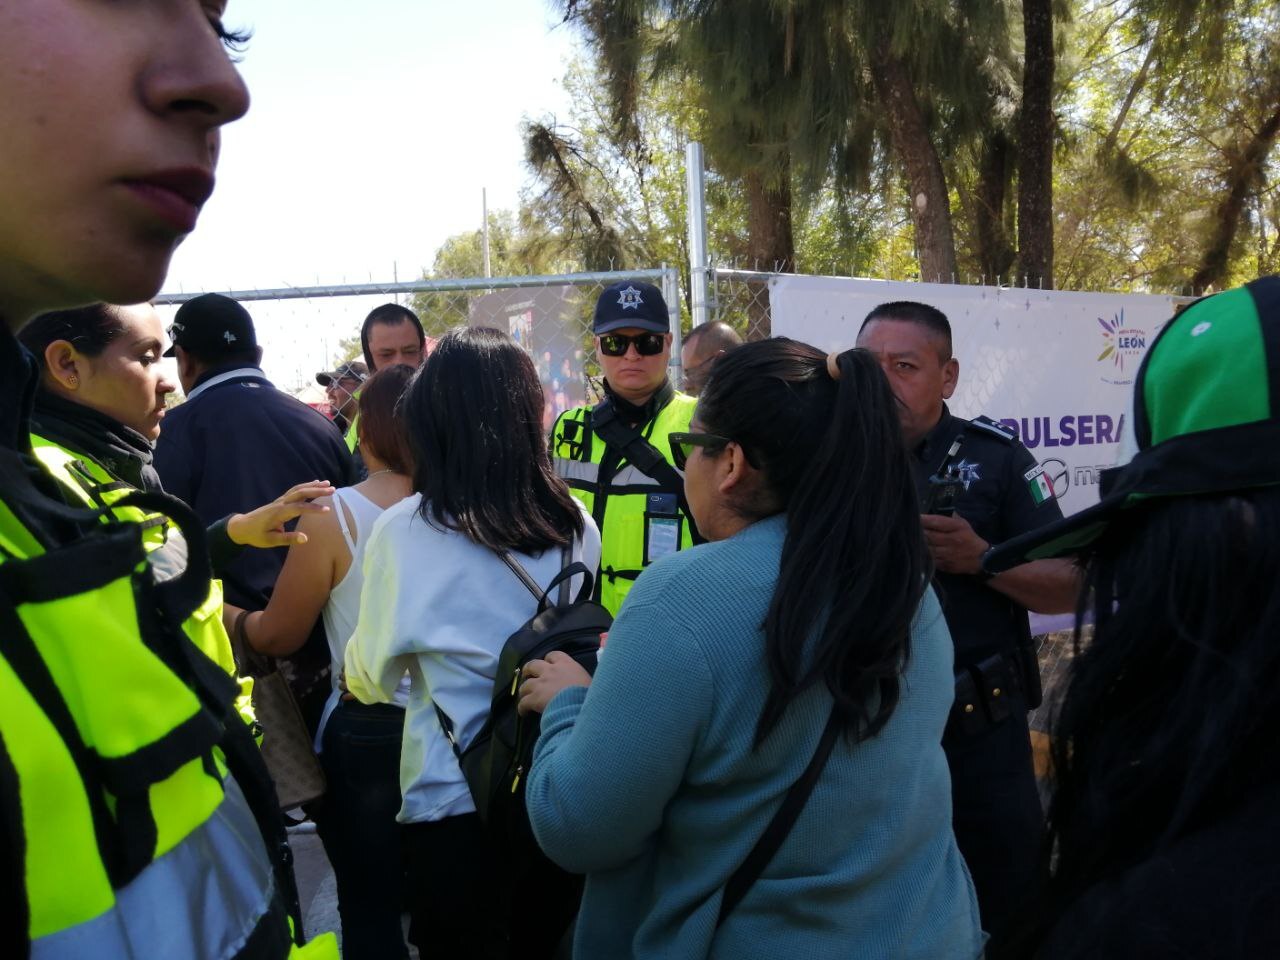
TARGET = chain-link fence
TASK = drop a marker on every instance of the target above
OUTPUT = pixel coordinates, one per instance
(306, 330)
(740, 298)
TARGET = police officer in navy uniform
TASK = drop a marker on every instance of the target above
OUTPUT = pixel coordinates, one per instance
(978, 486)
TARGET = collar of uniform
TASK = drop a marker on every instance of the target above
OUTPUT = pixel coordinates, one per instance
(940, 434)
(631, 413)
(125, 453)
(19, 377)
(217, 375)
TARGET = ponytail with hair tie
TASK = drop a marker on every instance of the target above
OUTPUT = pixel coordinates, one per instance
(833, 364)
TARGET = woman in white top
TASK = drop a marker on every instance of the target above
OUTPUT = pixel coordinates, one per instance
(359, 744)
(440, 603)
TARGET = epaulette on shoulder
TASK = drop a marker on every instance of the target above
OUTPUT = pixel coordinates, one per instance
(995, 428)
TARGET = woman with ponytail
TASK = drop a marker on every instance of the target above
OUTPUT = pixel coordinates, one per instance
(805, 627)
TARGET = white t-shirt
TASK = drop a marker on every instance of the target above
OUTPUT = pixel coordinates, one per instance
(441, 607)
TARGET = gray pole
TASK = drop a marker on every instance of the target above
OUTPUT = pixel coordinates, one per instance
(695, 190)
(484, 229)
(671, 293)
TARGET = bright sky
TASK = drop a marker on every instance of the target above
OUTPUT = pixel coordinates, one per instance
(373, 129)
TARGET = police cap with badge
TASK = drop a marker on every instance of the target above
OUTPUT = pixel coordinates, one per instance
(1206, 419)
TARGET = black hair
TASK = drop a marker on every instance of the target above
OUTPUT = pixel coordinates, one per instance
(89, 329)
(854, 565)
(921, 314)
(474, 413)
(390, 315)
(712, 336)
(381, 426)
(1170, 713)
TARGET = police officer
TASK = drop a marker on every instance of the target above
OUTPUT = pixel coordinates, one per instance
(978, 486)
(615, 456)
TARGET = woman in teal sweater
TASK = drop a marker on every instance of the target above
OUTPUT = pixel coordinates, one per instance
(810, 605)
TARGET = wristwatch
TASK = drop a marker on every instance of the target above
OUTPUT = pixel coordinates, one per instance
(983, 574)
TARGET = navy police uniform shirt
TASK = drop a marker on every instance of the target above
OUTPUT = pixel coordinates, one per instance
(1004, 494)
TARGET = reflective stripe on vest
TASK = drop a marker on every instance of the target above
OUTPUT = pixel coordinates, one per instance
(622, 535)
(201, 900)
(572, 470)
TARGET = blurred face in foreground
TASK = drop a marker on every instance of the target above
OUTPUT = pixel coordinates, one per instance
(109, 113)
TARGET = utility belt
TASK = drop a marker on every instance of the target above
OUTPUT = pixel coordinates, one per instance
(985, 691)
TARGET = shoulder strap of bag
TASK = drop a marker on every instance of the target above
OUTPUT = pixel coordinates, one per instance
(774, 834)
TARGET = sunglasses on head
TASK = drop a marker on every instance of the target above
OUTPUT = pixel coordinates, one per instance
(647, 344)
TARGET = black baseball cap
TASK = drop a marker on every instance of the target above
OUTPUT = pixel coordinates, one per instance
(631, 304)
(1206, 419)
(212, 325)
(351, 370)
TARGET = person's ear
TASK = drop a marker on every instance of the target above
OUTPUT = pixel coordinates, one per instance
(950, 377)
(732, 469)
(63, 362)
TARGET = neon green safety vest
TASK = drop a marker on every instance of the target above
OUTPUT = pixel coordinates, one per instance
(353, 435)
(619, 506)
(93, 485)
(116, 738)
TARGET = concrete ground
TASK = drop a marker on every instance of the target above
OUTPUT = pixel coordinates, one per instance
(317, 889)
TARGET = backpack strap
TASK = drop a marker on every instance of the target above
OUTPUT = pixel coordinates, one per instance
(776, 832)
(514, 566)
(562, 579)
(566, 559)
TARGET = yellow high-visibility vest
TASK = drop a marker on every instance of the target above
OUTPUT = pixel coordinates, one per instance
(133, 839)
(90, 483)
(619, 503)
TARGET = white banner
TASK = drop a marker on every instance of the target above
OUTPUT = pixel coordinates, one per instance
(1056, 366)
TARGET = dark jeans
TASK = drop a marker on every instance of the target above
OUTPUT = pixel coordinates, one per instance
(361, 759)
(996, 813)
(460, 896)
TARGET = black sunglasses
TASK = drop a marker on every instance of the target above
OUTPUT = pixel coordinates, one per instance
(647, 344)
(682, 445)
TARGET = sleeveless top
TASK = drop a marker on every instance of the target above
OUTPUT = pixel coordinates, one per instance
(342, 609)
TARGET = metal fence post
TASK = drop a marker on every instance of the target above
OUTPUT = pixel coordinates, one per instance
(695, 190)
(671, 294)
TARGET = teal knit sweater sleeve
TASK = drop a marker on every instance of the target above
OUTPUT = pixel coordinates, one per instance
(610, 756)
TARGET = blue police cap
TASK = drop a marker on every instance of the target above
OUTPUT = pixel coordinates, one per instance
(631, 304)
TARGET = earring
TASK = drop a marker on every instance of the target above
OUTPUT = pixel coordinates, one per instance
(73, 380)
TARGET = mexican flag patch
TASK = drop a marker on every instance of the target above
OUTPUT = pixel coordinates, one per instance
(1039, 484)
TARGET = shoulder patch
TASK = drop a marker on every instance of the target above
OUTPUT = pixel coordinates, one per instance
(995, 428)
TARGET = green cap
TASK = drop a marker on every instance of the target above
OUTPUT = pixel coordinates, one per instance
(1206, 418)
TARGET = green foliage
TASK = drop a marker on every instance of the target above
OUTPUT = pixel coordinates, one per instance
(1160, 109)
(348, 349)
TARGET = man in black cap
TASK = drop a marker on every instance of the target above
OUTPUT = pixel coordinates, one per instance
(236, 442)
(615, 456)
(341, 387)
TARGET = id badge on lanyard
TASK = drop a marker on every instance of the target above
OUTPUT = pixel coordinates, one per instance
(662, 526)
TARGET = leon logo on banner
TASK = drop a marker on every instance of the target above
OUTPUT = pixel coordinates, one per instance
(1039, 484)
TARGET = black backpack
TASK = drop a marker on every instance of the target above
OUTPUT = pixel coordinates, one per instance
(496, 762)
